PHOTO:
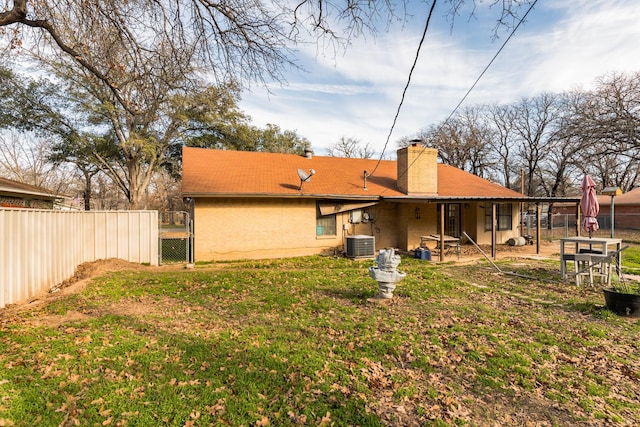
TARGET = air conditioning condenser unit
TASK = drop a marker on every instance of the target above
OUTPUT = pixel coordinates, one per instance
(361, 246)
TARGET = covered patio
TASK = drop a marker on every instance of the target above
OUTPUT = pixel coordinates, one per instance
(462, 221)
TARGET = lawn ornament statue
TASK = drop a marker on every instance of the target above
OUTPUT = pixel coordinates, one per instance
(386, 273)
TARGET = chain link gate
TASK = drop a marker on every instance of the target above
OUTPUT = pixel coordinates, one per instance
(174, 237)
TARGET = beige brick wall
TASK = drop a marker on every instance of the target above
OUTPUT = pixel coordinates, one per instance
(384, 226)
(417, 227)
(256, 228)
(228, 229)
(418, 170)
(231, 228)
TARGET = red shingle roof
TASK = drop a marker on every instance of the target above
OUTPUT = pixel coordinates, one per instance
(207, 172)
(454, 182)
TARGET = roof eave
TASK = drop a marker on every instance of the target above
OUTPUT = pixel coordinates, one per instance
(514, 199)
(403, 198)
(25, 193)
(280, 196)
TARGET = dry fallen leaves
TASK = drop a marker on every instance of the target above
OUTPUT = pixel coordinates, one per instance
(262, 422)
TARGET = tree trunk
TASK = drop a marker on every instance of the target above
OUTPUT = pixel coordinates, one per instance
(139, 178)
(136, 194)
(86, 195)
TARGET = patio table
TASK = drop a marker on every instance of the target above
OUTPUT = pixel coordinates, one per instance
(450, 243)
(570, 246)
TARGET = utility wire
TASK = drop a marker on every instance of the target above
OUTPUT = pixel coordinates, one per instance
(492, 60)
(474, 84)
(465, 95)
(406, 87)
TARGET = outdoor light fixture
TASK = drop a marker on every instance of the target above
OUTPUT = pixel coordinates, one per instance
(417, 213)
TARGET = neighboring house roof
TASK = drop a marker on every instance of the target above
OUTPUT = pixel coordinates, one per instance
(631, 198)
(216, 173)
(19, 189)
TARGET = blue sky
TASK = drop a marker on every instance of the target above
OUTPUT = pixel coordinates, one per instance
(563, 45)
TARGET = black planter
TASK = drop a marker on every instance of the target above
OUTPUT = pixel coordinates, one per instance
(622, 304)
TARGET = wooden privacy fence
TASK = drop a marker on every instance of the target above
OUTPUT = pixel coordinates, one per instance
(39, 249)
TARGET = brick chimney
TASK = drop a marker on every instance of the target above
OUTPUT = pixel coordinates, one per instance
(418, 170)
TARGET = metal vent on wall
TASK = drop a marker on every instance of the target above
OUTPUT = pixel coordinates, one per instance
(360, 246)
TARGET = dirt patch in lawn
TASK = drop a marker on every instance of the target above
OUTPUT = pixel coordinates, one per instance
(84, 273)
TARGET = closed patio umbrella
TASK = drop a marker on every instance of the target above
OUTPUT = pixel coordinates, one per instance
(589, 205)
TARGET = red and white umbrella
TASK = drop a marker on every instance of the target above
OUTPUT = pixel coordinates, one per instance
(589, 205)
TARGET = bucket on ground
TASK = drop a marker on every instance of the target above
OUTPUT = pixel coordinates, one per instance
(422, 254)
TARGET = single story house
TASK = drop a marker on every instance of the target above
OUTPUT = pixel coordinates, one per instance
(251, 205)
(14, 194)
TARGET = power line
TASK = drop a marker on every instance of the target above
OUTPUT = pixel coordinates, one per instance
(406, 87)
(465, 95)
(492, 60)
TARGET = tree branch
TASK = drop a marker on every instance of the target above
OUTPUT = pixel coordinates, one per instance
(16, 15)
(45, 25)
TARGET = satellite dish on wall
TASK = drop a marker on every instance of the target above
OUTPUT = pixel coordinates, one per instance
(305, 177)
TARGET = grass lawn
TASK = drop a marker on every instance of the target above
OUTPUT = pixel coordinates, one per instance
(295, 342)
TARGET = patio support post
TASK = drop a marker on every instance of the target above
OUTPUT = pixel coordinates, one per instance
(522, 203)
(612, 217)
(442, 210)
(538, 209)
(494, 236)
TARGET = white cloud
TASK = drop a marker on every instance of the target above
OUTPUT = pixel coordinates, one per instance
(562, 45)
(589, 39)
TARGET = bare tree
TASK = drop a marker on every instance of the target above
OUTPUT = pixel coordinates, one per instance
(554, 138)
(609, 125)
(106, 196)
(164, 193)
(351, 148)
(247, 41)
(463, 141)
(560, 168)
(615, 170)
(132, 57)
(501, 142)
(24, 158)
(617, 124)
(112, 39)
(535, 125)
